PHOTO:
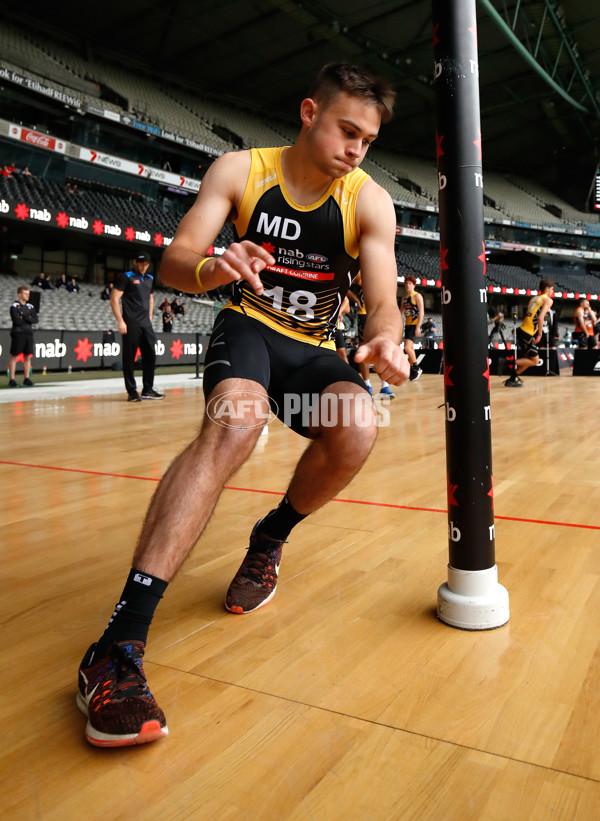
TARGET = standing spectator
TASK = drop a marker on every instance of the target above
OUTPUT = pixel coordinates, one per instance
(585, 319)
(23, 317)
(167, 319)
(133, 291)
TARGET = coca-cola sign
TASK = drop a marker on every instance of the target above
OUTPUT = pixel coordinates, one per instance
(37, 139)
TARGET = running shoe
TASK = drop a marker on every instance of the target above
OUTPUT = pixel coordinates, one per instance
(27, 383)
(514, 382)
(12, 383)
(415, 373)
(114, 695)
(370, 389)
(134, 397)
(386, 393)
(255, 583)
(152, 394)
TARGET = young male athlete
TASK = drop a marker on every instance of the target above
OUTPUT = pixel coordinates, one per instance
(303, 215)
(530, 332)
(413, 311)
(585, 321)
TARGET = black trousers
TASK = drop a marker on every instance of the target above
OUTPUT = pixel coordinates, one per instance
(144, 338)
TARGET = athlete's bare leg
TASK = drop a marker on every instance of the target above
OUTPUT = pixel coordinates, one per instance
(188, 492)
(409, 350)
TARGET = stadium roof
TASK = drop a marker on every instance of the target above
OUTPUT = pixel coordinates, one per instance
(539, 63)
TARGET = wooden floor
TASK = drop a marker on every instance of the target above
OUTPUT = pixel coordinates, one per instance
(345, 698)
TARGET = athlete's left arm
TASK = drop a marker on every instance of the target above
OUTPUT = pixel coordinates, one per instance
(383, 329)
(540, 320)
(421, 307)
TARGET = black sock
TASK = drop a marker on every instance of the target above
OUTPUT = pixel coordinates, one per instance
(134, 612)
(279, 522)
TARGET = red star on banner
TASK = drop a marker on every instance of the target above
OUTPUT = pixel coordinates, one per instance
(451, 491)
(436, 39)
(98, 227)
(477, 142)
(443, 254)
(268, 247)
(482, 257)
(158, 239)
(176, 349)
(22, 211)
(439, 151)
(83, 349)
(62, 219)
(490, 492)
(486, 373)
(138, 355)
(447, 380)
(129, 234)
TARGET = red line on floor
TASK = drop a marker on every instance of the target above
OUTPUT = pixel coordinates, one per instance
(280, 493)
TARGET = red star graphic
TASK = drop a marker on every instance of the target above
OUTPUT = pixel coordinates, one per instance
(20, 358)
(451, 491)
(443, 254)
(490, 492)
(268, 247)
(129, 233)
(98, 227)
(477, 142)
(62, 219)
(447, 380)
(176, 349)
(138, 355)
(436, 39)
(158, 239)
(473, 30)
(482, 257)
(22, 211)
(486, 373)
(439, 151)
(83, 349)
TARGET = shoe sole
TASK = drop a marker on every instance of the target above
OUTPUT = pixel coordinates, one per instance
(239, 611)
(152, 397)
(150, 731)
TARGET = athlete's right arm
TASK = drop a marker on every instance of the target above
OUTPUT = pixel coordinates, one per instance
(220, 194)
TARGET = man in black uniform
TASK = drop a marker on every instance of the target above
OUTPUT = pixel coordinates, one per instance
(133, 293)
(307, 219)
(23, 317)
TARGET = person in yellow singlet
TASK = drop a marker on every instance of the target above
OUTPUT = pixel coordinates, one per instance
(357, 296)
(306, 220)
(530, 332)
(412, 309)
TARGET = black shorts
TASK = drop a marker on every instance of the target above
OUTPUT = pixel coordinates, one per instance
(410, 331)
(21, 344)
(583, 341)
(525, 345)
(241, 347)
(340, 338)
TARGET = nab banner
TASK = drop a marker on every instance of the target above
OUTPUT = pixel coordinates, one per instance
(57, 350)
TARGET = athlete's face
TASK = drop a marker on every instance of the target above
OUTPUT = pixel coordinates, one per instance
(409, 286)
(340, 132)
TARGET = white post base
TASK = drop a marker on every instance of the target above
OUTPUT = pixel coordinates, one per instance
(473, 600)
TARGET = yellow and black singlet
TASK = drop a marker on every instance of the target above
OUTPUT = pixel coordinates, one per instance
(410, 309)
(315, 248)
(529, 324)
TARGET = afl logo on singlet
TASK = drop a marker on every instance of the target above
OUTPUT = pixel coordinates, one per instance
(316, 258)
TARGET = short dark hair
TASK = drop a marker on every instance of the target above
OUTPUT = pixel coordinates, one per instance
(546, 283)
(410, 278)
(357, 81)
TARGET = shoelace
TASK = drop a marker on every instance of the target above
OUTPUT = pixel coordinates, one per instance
(129, 676)
(258, 566)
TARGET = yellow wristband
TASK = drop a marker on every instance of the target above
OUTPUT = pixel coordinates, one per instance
(198, 280)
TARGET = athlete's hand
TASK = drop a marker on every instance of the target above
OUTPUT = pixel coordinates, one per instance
(388, 359)
(243, 260)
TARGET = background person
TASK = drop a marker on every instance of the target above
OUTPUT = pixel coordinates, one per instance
(412, 309)
(24, 317)
(530, 333)
(132, 303)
